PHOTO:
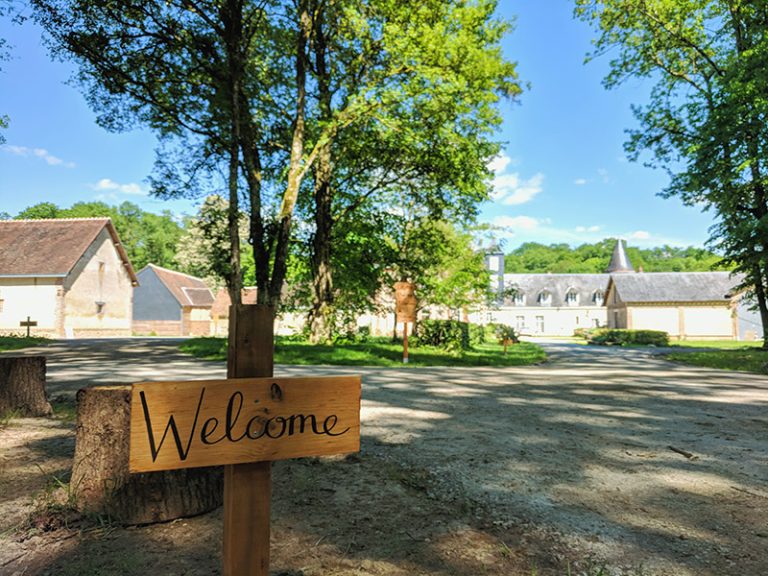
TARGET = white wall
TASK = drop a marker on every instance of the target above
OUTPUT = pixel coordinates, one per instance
(31, 297)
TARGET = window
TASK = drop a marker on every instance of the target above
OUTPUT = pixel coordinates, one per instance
(544, 298)
(519, 323)
(571, 297)
(518, 299)
(540, 324)
(100, 307)
(598, 297)
(596, 322)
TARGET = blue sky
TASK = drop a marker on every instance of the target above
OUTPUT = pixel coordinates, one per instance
(562, 177)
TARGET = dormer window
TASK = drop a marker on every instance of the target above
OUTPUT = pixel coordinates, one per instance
(518, 299)
(544, 298)
(571, 297)
(598, 297)
(100, 307)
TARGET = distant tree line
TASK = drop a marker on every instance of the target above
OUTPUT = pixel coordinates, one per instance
(147, 237)
(533, 257)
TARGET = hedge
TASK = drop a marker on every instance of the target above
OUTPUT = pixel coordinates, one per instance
(622, 337)
(448, 334)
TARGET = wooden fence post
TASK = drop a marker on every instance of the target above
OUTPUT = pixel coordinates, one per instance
(248, 487)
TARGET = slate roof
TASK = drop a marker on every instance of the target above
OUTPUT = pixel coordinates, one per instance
(675, 286)
(188, 290)
(40, 248)
(531, 285)
(619, 260)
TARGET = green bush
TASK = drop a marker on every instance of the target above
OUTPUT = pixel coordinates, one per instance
(505, 332)
(586, 333)
(450, 335)
(622, 337)
(476, 335)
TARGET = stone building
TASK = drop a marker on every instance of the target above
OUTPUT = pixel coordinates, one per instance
(71, 276)
(686, 305)
(169, 303)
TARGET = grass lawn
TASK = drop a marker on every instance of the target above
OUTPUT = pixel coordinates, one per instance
(18, 342)
(376, 352)
(725, 354)
(719, 344)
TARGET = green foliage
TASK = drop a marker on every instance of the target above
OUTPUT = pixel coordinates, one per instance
(147, 237)
(450, 335)
(532, 257)
(704, 122)
(505, 333)
(204, 248)
(296, 350)
(19, 342)
(623, 337)
(476, 335)
(748, 359)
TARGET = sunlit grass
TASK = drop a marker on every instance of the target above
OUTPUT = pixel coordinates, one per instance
(743, 360)
(720, 344)
(19, 342)
(376, 352)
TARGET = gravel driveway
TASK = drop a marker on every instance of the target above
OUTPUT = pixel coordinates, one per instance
(607, 451)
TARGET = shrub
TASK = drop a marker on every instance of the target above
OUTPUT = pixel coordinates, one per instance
(608, 336)
(505, 332)
(586, 333)
(476, 335)
(450, 335)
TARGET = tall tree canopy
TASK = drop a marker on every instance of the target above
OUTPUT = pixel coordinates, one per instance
(256, 96)
(533, 257)
(705, 122)
(147, 237)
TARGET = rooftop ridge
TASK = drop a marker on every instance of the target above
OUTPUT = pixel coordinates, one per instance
(89, 219)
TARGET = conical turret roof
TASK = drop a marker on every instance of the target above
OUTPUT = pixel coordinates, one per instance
(619, 260)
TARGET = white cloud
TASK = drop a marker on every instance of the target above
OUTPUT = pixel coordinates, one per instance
(131, 188)
(517, 222)
(603, 173)
(591, 229)
(41, 153)
(640, 235)
(512, 190)
(499, 163)
(580, 181)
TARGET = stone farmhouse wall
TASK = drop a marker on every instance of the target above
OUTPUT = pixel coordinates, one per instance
(98, 294)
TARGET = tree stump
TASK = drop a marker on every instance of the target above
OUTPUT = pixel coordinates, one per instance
(22, 385)
(100, 477)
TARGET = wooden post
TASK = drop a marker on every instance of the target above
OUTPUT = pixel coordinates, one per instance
(248, 487)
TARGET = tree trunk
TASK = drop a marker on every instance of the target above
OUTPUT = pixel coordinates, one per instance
(100, 477)
(22, 385)
(320, 316)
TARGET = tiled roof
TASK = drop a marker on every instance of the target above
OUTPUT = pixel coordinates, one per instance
(676, 286)
(558, 285)
(51, 247)
(188, 290)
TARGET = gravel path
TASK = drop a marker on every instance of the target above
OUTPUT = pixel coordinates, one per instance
(608, 451)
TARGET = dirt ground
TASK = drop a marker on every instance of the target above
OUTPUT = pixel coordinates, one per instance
(598, 462)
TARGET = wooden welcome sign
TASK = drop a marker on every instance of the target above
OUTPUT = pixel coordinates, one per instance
(235, 421)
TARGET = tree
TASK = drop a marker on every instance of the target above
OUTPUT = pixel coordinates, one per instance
(705, 122)
(533, 257)
(204, 248)
(431, 77)
(147, 238)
